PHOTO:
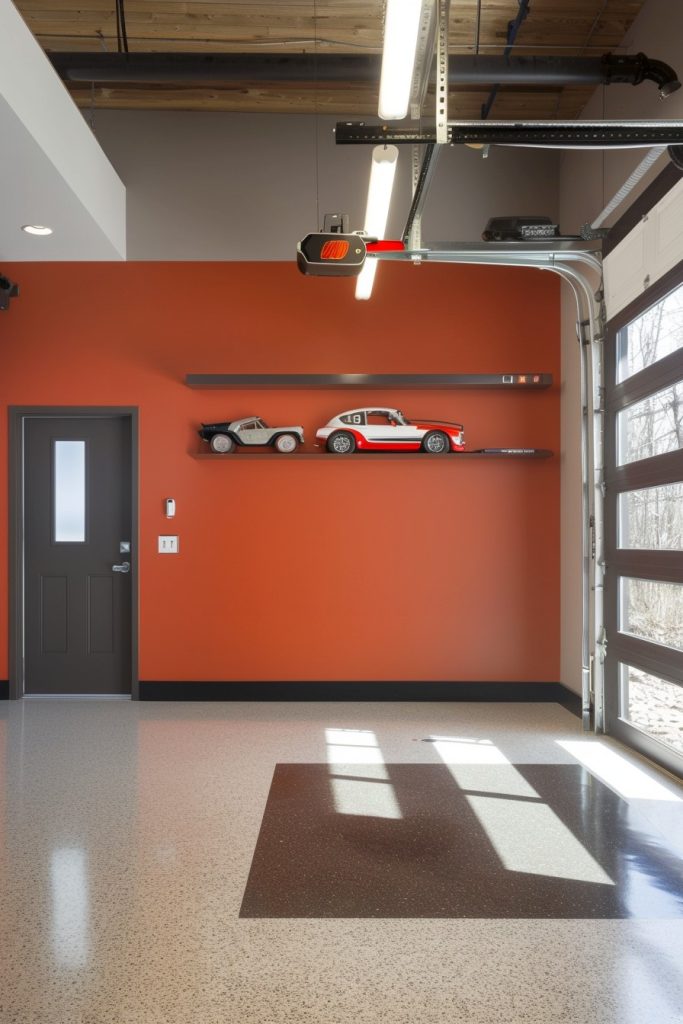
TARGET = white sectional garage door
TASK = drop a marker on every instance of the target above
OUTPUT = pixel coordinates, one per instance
(653, 247)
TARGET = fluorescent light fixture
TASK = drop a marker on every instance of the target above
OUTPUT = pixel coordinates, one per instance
(401, 30)
(36, 229)
(382, 173)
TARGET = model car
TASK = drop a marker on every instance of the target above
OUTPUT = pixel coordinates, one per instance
(388, 430)
(251, 431)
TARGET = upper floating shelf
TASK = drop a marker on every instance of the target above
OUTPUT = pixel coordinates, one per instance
(376, 381)
(478, 453)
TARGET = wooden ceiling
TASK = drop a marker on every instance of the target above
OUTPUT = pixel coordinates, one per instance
(553, 27)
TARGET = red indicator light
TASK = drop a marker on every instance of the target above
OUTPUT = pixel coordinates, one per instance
(336, 250)
(385, 245)
(537, 379)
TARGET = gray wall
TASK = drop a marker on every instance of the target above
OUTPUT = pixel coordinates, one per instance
(248, 186)
(587, 183)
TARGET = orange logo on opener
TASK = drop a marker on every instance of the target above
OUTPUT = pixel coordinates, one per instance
(336, 250)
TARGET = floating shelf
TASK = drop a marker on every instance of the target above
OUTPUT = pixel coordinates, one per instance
(498, 453)
(366, 381)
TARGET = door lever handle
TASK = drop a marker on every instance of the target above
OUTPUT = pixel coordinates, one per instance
(124, 567)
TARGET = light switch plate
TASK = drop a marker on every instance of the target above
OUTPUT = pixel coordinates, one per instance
(168, 545)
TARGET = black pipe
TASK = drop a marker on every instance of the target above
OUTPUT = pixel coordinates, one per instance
(217, 68)
(636, 68)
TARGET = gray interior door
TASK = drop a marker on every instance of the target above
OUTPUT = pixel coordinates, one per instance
(77, 521)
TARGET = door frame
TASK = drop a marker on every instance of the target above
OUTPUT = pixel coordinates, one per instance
(17, 417)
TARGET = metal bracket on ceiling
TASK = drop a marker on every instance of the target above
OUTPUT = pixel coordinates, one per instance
(422, 177)
(424, 56)
(442, 132)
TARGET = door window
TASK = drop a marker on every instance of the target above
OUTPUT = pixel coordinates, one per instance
(69, 491)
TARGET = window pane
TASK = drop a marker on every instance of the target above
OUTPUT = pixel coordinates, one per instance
(69, 491)
(655, 334)
(652, 705)
(651, 427)
(652, 518)
(652, 611)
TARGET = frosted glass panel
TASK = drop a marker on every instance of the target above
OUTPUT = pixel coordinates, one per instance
(69, 491)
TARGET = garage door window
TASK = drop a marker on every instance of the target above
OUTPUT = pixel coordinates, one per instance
(644, 522)
(649, 337)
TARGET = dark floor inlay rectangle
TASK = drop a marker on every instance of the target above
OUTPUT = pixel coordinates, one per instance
(403, 840)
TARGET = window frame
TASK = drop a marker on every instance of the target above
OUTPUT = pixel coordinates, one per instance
(661, 565)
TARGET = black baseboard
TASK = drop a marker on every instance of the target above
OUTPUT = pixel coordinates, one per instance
(4, 689)
(361, 691)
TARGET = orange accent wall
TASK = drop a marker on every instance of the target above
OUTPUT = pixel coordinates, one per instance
(347, 569)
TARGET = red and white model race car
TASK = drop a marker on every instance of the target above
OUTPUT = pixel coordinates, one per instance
(388, 430)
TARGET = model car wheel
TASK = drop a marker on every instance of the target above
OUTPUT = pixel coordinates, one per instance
(221, 443)
(341, 443)
(435, 442)
(285, 443)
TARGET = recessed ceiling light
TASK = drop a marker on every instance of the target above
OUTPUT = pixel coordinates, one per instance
(36, 229)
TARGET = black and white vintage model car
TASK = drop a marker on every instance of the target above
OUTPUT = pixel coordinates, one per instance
(251, 431)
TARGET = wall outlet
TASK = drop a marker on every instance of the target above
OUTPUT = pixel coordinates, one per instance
(168, 545)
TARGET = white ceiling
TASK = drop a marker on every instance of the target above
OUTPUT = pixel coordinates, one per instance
(54, 171)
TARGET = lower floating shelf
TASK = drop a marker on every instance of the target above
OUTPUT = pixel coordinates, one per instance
(480, 453)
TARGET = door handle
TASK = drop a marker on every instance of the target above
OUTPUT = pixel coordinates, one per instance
(124, 567)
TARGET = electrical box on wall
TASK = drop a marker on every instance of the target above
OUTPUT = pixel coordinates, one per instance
(168, 545)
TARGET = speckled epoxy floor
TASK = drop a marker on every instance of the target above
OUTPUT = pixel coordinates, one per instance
(539, 841)
(127, 833)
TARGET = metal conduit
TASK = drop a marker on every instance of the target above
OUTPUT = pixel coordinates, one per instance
(628, 186)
